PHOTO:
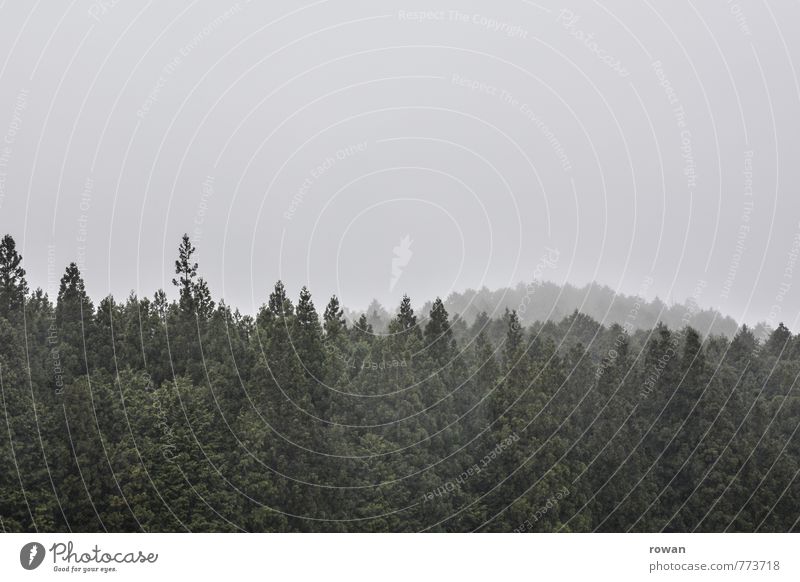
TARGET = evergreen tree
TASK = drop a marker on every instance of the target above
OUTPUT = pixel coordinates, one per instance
(405, 322)
(13, 287)
(778, 340)
(204, 305)
(335, 323)
(438, 334)
(186, 269)
(74, 312)
(308, 343)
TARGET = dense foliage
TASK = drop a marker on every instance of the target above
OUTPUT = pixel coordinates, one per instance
(151, 415)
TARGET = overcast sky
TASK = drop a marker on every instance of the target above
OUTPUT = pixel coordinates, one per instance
(374, 148)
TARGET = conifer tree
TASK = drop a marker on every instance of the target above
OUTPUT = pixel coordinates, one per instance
(186, 269)
(438, 334)
(204, 305)
(13, 286)
(308, 344)
(335, 322)
(73, 303)
(779, 340)
(406, 320)
(74, 312)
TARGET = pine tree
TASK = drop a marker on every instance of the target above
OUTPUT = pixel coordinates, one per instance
(160, 304)
(186, 270)
(778, 340)
(204, 305)
(363, 326)
(743, 347)
(438, 334)
(406, 320)
(335, 323)
(308, 339)
(104, 347)
(279, 305)
(13, 286)
(74, 312)
(513, 346)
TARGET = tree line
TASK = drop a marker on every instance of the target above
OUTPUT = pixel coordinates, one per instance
(156, 415)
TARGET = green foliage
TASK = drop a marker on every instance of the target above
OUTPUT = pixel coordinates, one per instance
(185, 415)
(13, 286)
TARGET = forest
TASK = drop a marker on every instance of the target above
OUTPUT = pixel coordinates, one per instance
(157, 415)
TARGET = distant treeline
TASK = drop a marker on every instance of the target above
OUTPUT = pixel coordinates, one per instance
(155, 415)
(546, 301)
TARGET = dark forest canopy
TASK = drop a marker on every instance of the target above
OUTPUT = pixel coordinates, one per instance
(155, 415)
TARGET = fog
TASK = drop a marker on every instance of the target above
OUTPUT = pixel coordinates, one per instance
(371, 150)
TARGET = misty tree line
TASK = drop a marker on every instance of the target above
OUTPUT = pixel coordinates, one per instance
(157, 415)
(557, 301)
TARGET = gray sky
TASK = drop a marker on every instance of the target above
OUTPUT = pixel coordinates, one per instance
(368, 149)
